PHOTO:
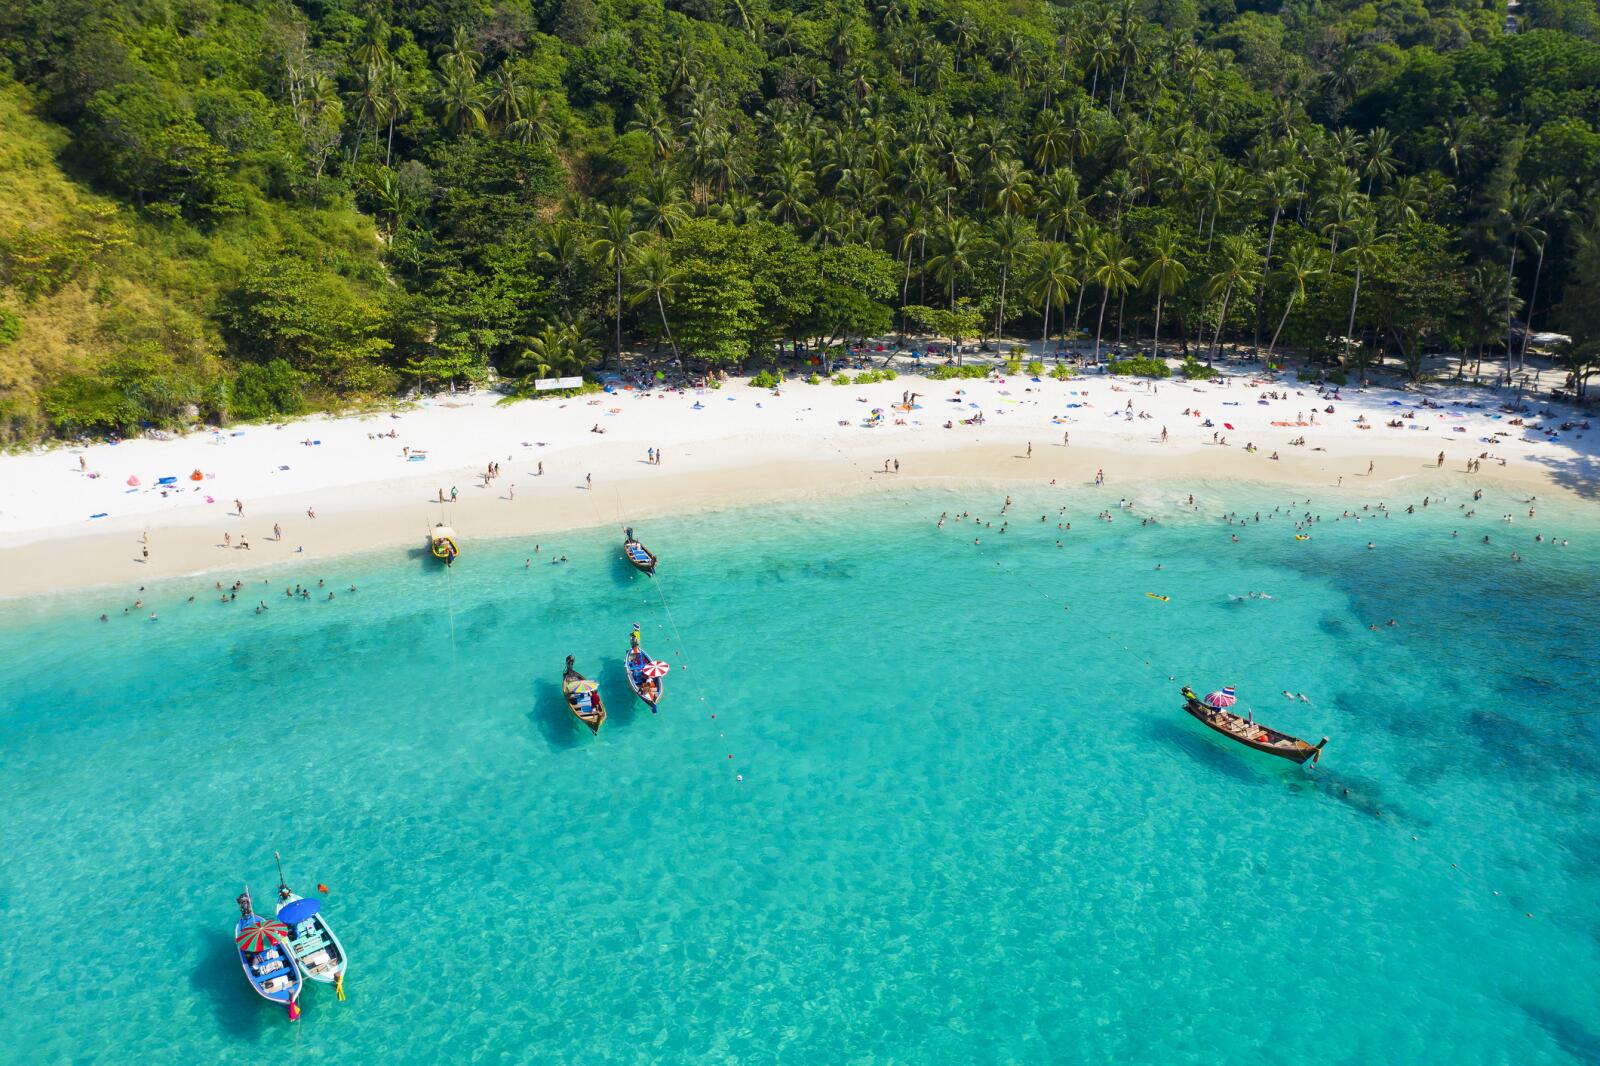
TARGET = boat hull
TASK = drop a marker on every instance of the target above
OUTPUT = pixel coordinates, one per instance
(646, 565)
(595, 718)
(266, 985)
(633, 682)
(304, 949)
(1280, 745)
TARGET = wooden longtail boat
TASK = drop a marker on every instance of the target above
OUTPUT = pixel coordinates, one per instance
(583, 698)
(311, 939)
(269, 965)
(1251, 734)
(645, 676)
(637, 553)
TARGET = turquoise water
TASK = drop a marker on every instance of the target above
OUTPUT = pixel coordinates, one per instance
(973, 825)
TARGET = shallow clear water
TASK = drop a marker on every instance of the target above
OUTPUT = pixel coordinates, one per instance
(972, 826)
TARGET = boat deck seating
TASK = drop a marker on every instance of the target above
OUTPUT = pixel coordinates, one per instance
(276, 984)
(639, 554)
(318, 960)
(303, 946)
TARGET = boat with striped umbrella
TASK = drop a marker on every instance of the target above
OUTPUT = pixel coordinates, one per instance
(645, 674)
(1213, 713)
(269, 964)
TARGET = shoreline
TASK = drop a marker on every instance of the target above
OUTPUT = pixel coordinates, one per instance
(756, 449)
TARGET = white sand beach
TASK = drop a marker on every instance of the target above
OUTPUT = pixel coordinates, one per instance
(77, 517)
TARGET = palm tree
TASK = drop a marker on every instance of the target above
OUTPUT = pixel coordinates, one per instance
(1378, 157)
(657, 128)
(912, 222)
(1050, 282)
(560, 349)
(1521, 216)
(1299, 265)
(1279, 190)
(459, 55)
(462, 99)
(1554, 200)
(1049, 141)
(1012, 235)
(396, 94)
(1011, 186)
(537, 123)
(654, 280)
(1111, 268)
(505, 97)
(1240, 270)
(1166, 272)
(661, 203)
(791, 191)
(1362, 253)
(611, 246)
(957, 243)
(1485, 289)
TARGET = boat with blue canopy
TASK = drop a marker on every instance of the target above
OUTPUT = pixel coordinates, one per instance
(264, 953)
(317, 951)
(637, 554)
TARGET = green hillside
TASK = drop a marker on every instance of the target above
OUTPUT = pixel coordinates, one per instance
(250, 206)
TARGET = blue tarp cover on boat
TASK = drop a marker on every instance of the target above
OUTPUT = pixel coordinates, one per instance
(298, 911)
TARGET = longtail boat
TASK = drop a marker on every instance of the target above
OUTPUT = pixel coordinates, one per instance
(646, 676)
(1212, 711)
(583, 698)
(317, 950)
(264, 953)
(637, 554)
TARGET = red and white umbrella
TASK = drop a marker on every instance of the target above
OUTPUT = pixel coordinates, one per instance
(655, 668)
(1222, 699)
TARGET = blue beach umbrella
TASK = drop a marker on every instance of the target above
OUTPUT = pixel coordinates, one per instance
(298, 911)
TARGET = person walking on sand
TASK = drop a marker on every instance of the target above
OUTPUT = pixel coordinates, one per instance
(1370, 466)
(1066, 439)
(541, 469)
(1030, 449)
(650, 454)
(897, 466)
(1441, 460)
(277, 531)
(588, 482)
(511, 493)
(227, 540)
(311, 512)
(238, 506)
(452, 494)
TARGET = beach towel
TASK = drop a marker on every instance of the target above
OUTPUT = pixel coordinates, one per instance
(1227, 425)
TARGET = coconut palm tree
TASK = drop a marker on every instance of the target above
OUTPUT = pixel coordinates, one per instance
(1521, 217)
(463, 100)
(1012, 234)
(1240, 270)
(661, 203)
(611, 245)
(1299, 265)
(957, 243)
(655, 280)
(1361, 253)
(1166, 272)
(1051, 282)
(1554, 207)
(1111, 268)
(1278, 191)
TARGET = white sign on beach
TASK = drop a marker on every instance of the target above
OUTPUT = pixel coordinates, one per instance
(541, 384)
